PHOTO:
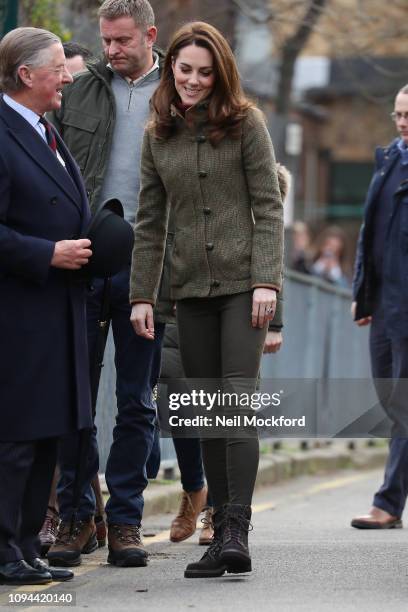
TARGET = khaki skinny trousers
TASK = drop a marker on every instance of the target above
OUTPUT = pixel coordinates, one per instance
(219, 344)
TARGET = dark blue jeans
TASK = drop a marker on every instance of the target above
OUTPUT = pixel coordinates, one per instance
(189, 459)
(389, 364)
(137, 363)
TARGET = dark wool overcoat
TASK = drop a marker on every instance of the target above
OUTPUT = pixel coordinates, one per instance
(44, 370)
(395, 261)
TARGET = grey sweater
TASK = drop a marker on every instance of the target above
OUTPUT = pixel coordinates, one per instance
(122, 179)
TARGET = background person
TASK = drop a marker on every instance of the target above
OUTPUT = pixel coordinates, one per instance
(226, 270)
(301, 255)
(76, 56)
(195, 494)
(380, 300)
(329, 260)
(44, 382)
(102, 118)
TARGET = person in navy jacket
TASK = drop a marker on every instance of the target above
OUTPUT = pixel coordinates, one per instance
(44, 374)
(380, 290)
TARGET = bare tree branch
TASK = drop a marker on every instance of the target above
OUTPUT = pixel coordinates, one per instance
(291, 50)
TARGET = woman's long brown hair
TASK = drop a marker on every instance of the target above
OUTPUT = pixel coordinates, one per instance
(228, 104)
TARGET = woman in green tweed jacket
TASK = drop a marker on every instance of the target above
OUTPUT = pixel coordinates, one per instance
(208, 156)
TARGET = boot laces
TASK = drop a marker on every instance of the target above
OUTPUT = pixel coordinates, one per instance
(127, 534)
(236, 527)
(207, 519)
(51, 523)
(186, 506)
(64, 537)
(214, 549)
(219, 525)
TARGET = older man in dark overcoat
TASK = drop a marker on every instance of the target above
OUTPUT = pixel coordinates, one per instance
(44, 385)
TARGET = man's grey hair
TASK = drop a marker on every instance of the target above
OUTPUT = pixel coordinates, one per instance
(404, 90)
(140, 10)
(23, 47)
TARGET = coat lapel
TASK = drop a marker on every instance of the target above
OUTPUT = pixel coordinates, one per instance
(389, 159)
(403, 188)
(76, 179)
(32, 143)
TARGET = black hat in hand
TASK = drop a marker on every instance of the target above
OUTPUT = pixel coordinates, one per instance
(111, 241)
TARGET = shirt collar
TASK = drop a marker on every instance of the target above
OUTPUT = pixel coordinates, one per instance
(143, 76)
(27, 114)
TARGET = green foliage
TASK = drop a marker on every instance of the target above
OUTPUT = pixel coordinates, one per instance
(45, 14)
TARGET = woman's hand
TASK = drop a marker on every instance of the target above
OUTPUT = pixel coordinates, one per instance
(263, 306)
(142, 320)
(273, 342)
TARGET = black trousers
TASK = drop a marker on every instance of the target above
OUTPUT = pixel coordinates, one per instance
(26, 472)
(218, 343)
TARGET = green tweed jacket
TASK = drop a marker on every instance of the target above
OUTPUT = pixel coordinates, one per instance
(226, 208)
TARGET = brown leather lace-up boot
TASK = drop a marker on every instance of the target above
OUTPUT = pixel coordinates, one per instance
(184, 525)
(66, 552)
(125, 546)
(49, 530)
(207, 530)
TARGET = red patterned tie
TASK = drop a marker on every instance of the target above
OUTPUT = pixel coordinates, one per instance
(50, 134)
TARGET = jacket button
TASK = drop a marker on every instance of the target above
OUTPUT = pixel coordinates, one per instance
(202, 174)
(215, 283)
(207, 210)
(54, 200)
(201, 138)
(209, 246)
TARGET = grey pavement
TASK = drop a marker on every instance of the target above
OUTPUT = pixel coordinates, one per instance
(305, 557)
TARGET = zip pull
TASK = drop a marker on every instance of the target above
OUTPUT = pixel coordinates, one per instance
(131, 87)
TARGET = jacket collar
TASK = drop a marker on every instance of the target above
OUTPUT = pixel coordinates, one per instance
(386, 158)
(32, 143)
(198, 113)
(100, 69)
(392, 148)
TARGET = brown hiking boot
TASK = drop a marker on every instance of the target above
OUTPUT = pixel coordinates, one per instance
(125, 546)
(184, 525)
(49, 530)
(207, 530)
(66, 551)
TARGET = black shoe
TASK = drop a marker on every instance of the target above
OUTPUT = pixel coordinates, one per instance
(210, 565)
(58, 575)
(19, 572)
(235, 552)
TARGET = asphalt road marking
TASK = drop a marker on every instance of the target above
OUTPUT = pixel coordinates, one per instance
(337, 483)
